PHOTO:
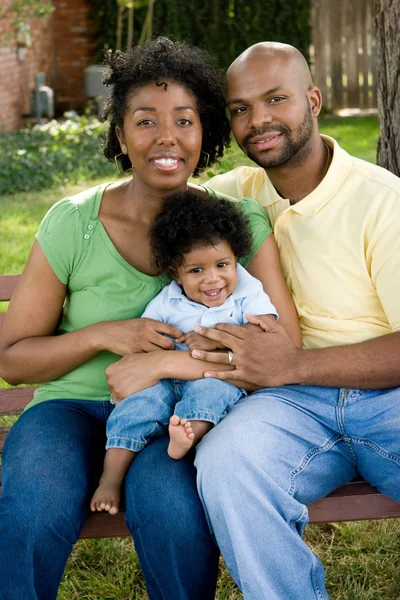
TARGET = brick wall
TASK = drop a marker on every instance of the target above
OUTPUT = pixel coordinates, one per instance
(17, 71)
(73, 52)
(62, 47)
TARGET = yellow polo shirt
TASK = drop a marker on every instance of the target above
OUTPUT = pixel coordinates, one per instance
(339, 247)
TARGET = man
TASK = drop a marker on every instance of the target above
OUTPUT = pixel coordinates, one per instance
(337, 224)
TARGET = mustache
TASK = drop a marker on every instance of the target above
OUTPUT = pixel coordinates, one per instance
(262, 130)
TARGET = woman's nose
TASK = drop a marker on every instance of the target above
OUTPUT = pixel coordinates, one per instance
(166, 135)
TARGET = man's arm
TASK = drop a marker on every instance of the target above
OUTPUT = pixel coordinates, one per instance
(268, 358)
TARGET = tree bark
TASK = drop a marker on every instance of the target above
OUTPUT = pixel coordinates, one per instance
(387, 19)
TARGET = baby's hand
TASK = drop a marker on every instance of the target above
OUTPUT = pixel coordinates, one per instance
(195, 341)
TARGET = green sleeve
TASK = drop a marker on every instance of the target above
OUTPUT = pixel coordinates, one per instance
(259, 225)
(258, 222)
(60, 236)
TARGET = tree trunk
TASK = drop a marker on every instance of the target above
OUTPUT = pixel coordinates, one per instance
(387, 19)
(129, 41)
(147, 29)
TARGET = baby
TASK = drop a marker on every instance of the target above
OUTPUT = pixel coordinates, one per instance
(197, 240)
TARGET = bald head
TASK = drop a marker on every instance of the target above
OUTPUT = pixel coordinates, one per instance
(273, 103)
(264, 53)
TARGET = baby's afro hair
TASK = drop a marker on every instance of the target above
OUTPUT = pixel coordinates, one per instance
(189, 220)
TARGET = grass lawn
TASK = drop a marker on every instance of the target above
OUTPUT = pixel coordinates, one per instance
(362, 559)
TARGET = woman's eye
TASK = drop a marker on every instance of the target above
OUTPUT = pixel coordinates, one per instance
(184, 122)
(145, 122)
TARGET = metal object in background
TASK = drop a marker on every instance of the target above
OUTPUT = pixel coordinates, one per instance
(42, 99)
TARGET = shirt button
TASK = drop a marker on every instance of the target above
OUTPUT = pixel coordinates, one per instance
(86, 236)
(94, 218)
(90, 226)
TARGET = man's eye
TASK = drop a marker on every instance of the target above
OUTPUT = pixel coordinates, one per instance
(276, 99)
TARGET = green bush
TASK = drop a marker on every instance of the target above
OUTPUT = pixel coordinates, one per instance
(53, 154)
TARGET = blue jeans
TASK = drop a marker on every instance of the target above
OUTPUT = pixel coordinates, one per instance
(146, 414)
(278, 451)
(52, 461)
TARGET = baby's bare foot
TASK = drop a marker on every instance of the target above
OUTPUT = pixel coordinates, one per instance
(181, 437)
(106, 498)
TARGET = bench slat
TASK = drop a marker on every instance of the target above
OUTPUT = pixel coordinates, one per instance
(3, 435)
(7, 286)
(348, 506)
(14, 400)
(105, 525)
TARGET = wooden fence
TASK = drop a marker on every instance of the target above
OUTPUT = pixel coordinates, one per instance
(343, 53)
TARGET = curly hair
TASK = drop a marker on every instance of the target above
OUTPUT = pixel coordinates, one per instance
(164, 59)
(188, 220)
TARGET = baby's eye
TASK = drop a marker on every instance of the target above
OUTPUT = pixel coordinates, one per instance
(221, 265)
(195, 270)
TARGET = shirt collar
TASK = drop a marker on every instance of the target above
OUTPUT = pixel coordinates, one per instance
(338, 172)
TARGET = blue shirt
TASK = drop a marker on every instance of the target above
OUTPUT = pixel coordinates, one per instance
(173, 307)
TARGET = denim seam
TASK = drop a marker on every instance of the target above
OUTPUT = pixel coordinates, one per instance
(317, 589)
(130, 444)
(107, 408)
(200, 415)
(344, 394)
(307, 459)
(377, 449)
(293, 524)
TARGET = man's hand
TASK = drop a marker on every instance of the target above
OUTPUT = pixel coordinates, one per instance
(262, 355)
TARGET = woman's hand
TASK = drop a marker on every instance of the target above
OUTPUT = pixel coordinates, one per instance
(133, 373)
(195, 341)
(134, 335)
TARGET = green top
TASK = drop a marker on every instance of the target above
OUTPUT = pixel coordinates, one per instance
(101, 285)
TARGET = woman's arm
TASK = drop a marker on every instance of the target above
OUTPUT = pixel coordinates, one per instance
(136, 372)
(30, 350)
(266, 267)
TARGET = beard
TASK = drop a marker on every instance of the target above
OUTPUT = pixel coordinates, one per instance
(294, 141)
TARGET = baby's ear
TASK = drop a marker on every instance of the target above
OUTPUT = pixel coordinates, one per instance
(174, 275)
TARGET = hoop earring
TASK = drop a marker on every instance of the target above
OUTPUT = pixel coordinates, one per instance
(207, 158)
(118, 161)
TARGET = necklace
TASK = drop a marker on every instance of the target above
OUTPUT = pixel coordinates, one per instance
(328, 156)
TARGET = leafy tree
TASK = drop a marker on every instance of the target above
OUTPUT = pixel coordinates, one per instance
(224, 27)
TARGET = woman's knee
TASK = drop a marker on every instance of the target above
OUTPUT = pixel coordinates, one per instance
(162, 491)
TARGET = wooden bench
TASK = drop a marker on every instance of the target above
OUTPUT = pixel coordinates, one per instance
(354, 501)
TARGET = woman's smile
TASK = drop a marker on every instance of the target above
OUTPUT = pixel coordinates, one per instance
(162, 135)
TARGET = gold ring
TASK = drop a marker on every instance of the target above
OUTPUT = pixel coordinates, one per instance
(230, 357)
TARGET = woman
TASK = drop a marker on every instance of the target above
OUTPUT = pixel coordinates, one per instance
(76, 311)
